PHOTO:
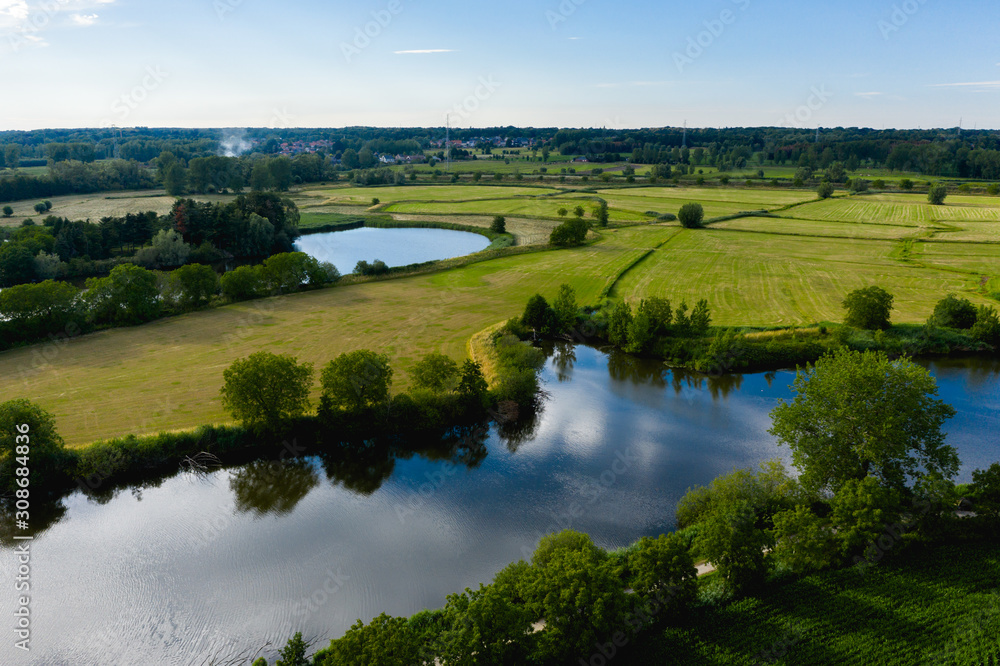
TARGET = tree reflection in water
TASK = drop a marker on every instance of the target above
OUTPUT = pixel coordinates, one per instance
(271, 486)
(563, 359)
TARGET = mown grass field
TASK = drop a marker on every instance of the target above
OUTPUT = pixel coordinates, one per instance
(939, 606)
(753, 271)
(103, 204)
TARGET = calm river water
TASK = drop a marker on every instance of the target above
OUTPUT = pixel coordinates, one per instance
(220, 564)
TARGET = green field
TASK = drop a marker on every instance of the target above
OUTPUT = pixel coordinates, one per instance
(104, 204)
(939, 606)
(753, 271)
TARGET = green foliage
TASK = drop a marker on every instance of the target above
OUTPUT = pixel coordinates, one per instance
(569, 233)
(288, 271)
(29, 311)
(987, 326)
(905, 184)
(537, 313)
(691, 215)
(244, 283)
(640, 331)
(294, 652)
(435, 372)
(937, 194)
(868, 308)
(862, 508)
(472, 384)
(765, 493)
(986, 488)
(356, 380)
(700, 318)
(804, 542)
(8, 211)
(193, 285)
(565, 308)
(663, 568)
(954, 312)
(376, 268)
(385, 641)
(264, 391)
(127, 297)
(485, 626)
(28, 433)
(858, 414)
(499, 224)
(619, 324)
(825, 190)
(576, 588)
(730, 539)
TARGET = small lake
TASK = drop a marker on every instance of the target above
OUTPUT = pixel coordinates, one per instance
(217, 564)
(396, 247)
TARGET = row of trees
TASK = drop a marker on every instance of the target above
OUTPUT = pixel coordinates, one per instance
(266, 391)
(132, 295)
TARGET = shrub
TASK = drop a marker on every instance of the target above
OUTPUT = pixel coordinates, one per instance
(499, 224)
(868, 308)
(937, 194)
(954, 312)
(691, 215)
(569, 233)
(244, 283)
(993, 189)
(356, 380)
(825, 191)
(987, 326)
(906, 184)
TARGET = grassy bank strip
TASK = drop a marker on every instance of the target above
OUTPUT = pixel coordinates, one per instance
(482, 351)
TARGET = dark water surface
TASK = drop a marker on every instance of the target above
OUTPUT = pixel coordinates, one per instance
(396, 247)
(220, 563)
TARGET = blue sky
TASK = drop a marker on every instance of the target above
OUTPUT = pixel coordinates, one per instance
(574, 63)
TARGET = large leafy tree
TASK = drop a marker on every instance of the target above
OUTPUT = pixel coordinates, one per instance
(859, 414)
(357, 380)
(435, 372)
(868, 308)
(27, 430)
(265, 390)
(385, 641)
(577, 589)
(126, 297)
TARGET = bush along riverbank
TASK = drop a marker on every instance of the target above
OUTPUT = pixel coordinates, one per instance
(447, 413)
(684, 337)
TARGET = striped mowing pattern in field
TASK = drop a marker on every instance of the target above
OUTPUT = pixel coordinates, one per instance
(755, 198)
(978, 259)
(817, 228)
(364, 195)
(752, 279)
(912, 210)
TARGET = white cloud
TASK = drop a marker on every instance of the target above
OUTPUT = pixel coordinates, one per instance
(971, 84)
(24, 21)
(422, 51)
(867, 95)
